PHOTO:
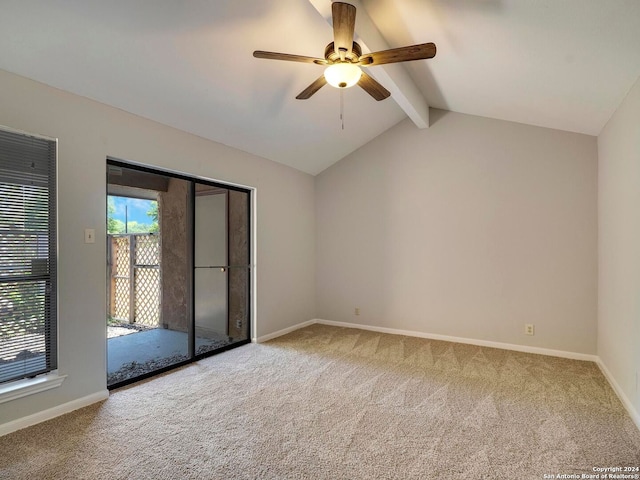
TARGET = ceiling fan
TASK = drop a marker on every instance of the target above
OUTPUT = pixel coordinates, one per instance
(343, 57)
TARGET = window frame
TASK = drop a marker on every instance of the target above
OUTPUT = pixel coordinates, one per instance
(38, 379)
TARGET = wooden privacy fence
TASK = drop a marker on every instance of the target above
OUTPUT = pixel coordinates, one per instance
(134, 283)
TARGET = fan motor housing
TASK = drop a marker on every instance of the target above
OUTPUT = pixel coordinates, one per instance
(332, 56)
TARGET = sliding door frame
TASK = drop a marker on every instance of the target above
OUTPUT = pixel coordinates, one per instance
(192, 207)
(190, 226)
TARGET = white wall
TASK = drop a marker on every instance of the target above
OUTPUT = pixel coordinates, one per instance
(619, 246)
(88, 132)
(470, 228)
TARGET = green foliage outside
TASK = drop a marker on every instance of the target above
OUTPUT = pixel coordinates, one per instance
(18, 302)
(153, 213)
(113, 225)
(24, 217)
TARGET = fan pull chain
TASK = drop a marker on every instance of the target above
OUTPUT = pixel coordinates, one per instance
(342, 108)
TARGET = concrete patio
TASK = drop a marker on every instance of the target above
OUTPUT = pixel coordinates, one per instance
(152, 345)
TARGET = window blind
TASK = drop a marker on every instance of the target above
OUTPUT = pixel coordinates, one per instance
(28, 293)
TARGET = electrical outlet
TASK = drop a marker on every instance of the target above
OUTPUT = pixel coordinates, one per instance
(239, 324)
(356, 311)
(529, 329)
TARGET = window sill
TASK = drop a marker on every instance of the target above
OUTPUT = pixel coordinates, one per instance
(29, 386)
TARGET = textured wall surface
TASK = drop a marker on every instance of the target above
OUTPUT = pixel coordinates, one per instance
(173, 209)
(238, 255)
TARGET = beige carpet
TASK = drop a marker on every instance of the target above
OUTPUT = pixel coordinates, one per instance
(334, 403)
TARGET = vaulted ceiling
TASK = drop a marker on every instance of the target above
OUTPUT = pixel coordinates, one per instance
(559, 64)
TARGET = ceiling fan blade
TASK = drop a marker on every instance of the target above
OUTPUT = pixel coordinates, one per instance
(402, 54)
(313, 88)
(289, 57)
(344, 24)
(373, 88)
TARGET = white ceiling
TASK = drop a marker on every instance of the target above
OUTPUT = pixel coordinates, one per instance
(563, 64)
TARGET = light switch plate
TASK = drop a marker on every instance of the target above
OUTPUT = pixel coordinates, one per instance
(89, 235)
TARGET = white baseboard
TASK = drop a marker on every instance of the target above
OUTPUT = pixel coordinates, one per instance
(54, 412)
(284, 331)
(469, 341)
(635, 416)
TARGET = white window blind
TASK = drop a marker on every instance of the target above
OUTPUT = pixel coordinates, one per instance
(27, 256)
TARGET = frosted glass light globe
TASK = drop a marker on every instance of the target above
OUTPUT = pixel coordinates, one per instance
(342, 75)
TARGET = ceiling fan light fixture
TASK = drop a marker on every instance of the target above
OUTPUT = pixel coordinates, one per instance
(343, 57)
(342, 75)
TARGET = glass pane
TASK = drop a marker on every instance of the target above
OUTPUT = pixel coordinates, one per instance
(221, 293)
(211, 273)
(211, 229)
(22, 329)
(27, 268)
(148, 302)
(212, 328)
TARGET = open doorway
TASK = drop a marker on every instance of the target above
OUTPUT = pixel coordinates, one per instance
(178, 270)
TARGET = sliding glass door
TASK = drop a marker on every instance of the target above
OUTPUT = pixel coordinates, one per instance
(178, 278)
(221, 267)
